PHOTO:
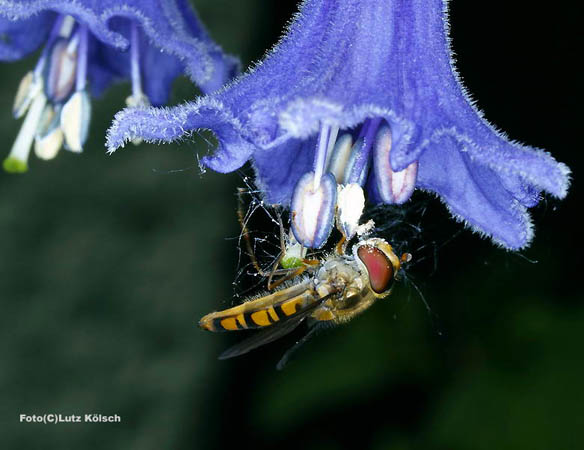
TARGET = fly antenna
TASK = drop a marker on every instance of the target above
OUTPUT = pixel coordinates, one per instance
(419, 291)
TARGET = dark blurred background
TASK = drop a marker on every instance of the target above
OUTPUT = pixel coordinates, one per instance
(107, 262)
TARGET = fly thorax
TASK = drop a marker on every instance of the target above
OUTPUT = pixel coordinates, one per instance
(339, 275)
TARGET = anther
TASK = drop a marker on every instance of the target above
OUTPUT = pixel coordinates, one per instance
(138, 99)
(393, 187)
(62, 65)
(313, 209)
(359, 161)
(350, 206)
(340, 157)
(75, 119)
(49, 136)
(29, 87)
(76, 113)
(65, 26)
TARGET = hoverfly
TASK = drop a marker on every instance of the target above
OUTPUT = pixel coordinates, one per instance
(332, 290)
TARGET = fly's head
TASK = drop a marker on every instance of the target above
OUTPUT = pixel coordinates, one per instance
(378, 260)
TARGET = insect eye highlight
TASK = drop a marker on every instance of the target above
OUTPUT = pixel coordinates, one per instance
(378, 266)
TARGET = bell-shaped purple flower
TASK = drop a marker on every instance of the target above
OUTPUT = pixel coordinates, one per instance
(87, 45)
(365, 90)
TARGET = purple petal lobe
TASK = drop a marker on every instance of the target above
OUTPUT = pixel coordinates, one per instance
(475, 195)
(169, 124)
(19, 38)
(313, 210)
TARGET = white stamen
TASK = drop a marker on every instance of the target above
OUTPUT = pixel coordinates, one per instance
(62, 70)
(321, 152)
(75, 118)
(67, 27)
(17, 160)
(393, 187)
(46, 147)
(313, 210)
(313, 201)
(137, 101)
(398, 179)
(294, 247)
(340, 157)
(135, 61)
(47, 121)
(28, 88)
(331, 145)
(73, 44)
(350, 206)
(49, 136)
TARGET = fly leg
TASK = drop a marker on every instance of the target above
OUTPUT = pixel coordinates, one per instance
(241, 216)
(341, 246)
(287, 274)
(291, 273)
(283, 274)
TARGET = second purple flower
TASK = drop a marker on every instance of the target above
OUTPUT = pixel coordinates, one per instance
(87, 45)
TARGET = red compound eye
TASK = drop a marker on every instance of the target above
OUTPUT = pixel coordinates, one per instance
(379, 267)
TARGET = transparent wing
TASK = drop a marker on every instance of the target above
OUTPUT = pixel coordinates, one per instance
(286, 357)
(270, 334)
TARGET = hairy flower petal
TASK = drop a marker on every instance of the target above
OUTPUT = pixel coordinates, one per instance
(169, 124)
(343, 63)
(171, 27)
(18, 39)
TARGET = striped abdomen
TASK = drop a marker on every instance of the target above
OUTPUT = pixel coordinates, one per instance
(263, 311)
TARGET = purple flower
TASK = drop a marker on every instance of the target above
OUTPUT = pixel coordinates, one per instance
(88, 44)
(365, 91)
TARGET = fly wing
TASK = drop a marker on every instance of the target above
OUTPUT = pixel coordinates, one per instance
(272, 333)
(286, 357)
(260, 338)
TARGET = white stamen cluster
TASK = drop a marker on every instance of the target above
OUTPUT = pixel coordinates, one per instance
(315, 206)
(55, 116)
(54, 96)
(350, 207)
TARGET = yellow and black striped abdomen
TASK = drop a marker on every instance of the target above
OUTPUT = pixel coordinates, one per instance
(263, 311)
